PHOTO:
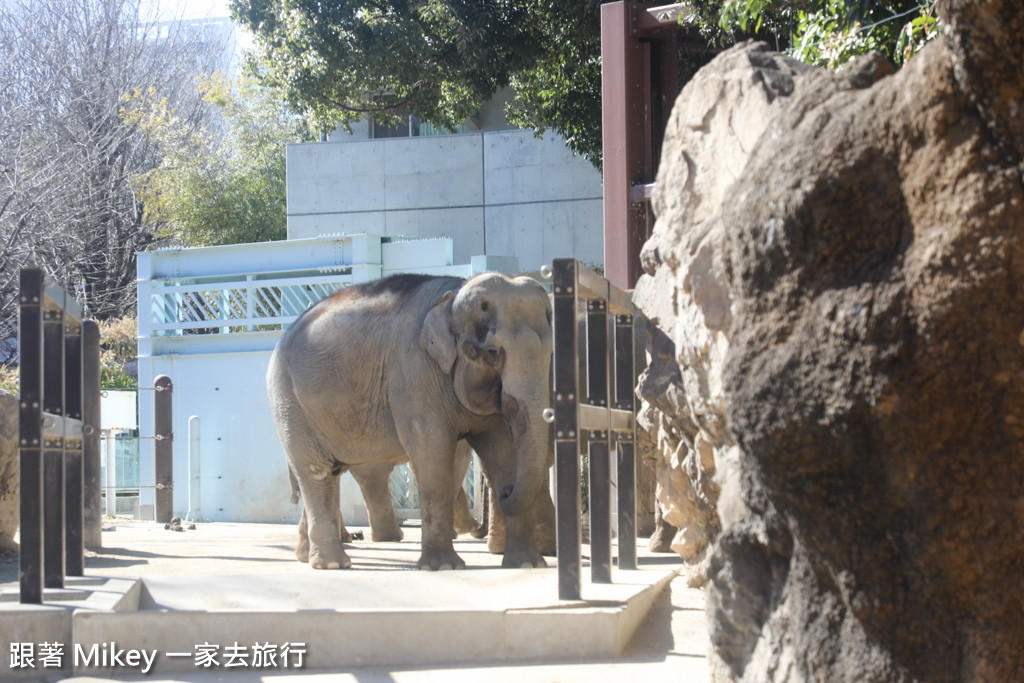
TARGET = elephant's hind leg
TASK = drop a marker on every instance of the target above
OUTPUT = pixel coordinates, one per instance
(465, 523)
(374, 479)
(320, 494)
(318, 485)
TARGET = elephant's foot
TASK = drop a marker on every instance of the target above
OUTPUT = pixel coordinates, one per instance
(441, 559)
(496, 536)
(522, 559)
(302, 550)
(476, 530)
(544, 539)
(391, 535)
(325, 558)
(661, 539)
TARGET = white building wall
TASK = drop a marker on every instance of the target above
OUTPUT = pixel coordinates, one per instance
(503, 193)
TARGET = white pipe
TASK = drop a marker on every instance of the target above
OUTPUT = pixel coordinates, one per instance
(111, 475)
(194, 513)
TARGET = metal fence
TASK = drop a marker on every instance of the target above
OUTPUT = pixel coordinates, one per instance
(594, 378)
(59, 417)
(238, 303)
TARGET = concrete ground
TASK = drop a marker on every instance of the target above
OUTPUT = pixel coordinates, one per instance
(670, 643)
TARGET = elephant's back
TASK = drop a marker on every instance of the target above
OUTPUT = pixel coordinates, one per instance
(337, 359)
(384, 302)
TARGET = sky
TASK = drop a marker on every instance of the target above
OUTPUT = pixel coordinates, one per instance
(185, 9)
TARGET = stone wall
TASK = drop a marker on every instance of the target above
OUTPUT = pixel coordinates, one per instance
(836, 271)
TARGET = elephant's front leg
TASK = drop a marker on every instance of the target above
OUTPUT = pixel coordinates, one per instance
(435, 473)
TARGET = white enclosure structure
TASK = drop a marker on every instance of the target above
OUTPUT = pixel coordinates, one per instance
(209, 319)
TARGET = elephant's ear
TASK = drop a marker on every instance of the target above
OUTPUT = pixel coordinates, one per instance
(436, 336)
(478, 386)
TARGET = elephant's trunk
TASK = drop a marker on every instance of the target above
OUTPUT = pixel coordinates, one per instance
(523, 407)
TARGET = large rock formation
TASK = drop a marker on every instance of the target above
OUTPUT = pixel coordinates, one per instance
(8, 470)
(868, 244)
(715, 124)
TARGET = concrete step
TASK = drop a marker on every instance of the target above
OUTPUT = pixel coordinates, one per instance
(291, 617)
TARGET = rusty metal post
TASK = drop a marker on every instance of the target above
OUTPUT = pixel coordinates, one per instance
(30, 434)
(92, 516)
(567, 447)
(164, 448)
(639, 84)
(622, 120)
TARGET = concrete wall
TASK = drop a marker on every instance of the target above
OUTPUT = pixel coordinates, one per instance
(502, 193)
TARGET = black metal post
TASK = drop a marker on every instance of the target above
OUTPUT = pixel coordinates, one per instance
(567, 448)
(598, 450)
(53, 444)
(74, 561)
(600, 508)
(626, 466)
(92, 515)
(164, 449)
(625, 399)
(30, 434)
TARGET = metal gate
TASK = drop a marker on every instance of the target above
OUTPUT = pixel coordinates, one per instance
(594, 376)
(59, 417)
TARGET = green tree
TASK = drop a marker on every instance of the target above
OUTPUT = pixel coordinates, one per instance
(223, 184)
(832, 32)
(441, 59)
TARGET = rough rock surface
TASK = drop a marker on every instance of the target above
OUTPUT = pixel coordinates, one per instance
(870, 382)
(8, 470)
(715, 124)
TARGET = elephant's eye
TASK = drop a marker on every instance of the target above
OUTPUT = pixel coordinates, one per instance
(484, 306)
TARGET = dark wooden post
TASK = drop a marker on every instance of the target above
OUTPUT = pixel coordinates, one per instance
(598, 446)
(30, 434)
(53, 443)
(74, 473)
(625, 399)
(567, 447)
(164, 448)
(92, 515)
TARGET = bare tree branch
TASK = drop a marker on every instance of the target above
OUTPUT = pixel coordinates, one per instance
(68, 155)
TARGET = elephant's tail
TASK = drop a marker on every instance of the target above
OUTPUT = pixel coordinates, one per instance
(294, 483)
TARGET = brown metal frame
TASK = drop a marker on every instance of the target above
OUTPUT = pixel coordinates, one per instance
(639, 84)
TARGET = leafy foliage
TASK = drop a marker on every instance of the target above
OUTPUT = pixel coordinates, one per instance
(118, 351)
(224, 183)
(9, 378)
(442, 59)
(832, 32)
(439, 59)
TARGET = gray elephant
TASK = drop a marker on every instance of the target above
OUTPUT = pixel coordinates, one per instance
(404, 367)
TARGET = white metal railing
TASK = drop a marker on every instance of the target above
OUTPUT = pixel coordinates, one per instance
(238, 304)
